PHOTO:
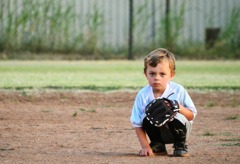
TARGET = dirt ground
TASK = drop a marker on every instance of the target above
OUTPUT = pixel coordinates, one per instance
(94, 127)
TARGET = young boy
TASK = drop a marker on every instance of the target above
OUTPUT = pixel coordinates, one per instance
(159, 69)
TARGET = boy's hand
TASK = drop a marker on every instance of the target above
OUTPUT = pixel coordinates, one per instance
(146, 152)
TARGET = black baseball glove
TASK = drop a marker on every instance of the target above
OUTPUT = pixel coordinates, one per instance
(161, 111)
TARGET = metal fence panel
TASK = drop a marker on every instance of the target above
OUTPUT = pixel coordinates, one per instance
(88, 26)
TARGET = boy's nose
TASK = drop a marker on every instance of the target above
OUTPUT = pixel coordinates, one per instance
(156, 78)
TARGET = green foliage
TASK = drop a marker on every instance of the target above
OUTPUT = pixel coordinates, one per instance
(175, 26)
(37, 26)
(47, 26)
(226, 46)
(94, 23)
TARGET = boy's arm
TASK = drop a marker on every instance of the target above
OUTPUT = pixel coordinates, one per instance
(186, 112)
(146, 149)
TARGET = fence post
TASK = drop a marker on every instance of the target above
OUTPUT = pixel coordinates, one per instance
(130, 35)
(167, 26)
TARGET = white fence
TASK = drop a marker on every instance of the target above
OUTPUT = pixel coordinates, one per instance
(104, 24)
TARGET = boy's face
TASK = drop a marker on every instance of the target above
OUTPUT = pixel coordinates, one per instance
(159, 76)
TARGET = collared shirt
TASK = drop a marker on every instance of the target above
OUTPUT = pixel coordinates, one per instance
(173, 91)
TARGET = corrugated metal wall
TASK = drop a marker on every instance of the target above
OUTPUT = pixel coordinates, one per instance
(105, 23)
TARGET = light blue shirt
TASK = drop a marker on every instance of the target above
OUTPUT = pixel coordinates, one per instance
(173, 91)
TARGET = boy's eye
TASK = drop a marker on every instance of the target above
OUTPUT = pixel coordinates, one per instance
(162, 74)
(152, 74)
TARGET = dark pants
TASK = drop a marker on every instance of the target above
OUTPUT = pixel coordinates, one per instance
(171, 132)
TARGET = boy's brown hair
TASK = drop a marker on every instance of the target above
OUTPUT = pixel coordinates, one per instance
(157, 56)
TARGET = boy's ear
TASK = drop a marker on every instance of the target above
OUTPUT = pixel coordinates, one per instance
(145, 74)
(172, 75)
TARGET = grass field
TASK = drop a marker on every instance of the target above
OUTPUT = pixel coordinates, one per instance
(109, 75)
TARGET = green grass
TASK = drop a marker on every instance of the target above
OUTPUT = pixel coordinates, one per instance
(110, 75)
(209, 134)
(233, 117)
(232, 142)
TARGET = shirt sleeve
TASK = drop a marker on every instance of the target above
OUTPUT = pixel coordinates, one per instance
(187, 102)
(137, 112)
(143, 97)
(182, 96)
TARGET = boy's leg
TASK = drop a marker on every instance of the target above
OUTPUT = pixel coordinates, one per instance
(154, 134)
(164, 134)
(182, 119)
(180, 128)
(176, 132)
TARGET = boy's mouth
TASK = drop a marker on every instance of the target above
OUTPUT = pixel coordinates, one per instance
(156, 84)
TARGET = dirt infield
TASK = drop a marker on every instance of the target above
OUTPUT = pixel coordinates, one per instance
(94, 127)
